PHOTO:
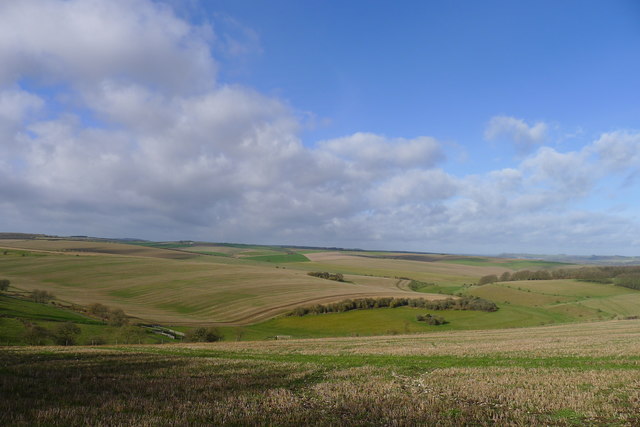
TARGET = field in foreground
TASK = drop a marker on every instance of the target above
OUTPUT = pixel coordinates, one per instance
(580, 374)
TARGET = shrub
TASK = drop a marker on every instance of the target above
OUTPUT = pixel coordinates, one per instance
(431, 319)
(338, 277)
(36, 334)
(203, 334)
(65, 333)
(485, 280)
(41, 296)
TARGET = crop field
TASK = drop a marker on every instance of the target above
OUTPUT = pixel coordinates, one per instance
(384, 267)
(581, 374)
(77, 247)
(159, 288)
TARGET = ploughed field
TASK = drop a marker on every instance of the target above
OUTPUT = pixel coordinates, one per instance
(177, 287)
(573, 374)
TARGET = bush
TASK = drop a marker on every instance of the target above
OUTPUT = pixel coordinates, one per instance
(41, 296)
(338, 277)
(204, 335)
(431, 319)
(65, 333)
(485, 280)
(117, 317)
(4, 284)
(36, 334)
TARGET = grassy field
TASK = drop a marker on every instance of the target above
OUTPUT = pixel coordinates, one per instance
(522, 304)
(249, 286)
(18, 315)
(156, 285)
(582, 374)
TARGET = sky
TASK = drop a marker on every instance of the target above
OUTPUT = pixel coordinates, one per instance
(438, 126)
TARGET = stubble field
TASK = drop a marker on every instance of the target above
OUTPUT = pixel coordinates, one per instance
(583, 374)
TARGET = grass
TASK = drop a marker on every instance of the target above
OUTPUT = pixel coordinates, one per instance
(16, 314)
(202, 290)
(536, 376)
(14, 307)
(246, 289)
(394, 321)
(279, 258)
(522, 304)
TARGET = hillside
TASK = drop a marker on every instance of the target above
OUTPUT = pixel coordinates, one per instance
(244, 289)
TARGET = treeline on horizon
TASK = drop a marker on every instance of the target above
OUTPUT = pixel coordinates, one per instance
(626, 276)
(462, 303)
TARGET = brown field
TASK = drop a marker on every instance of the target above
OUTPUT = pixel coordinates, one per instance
(150, 284)
(83, 247)
(584, 374)
(424, 271)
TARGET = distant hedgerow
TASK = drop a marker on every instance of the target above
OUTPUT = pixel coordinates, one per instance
(463, 303)
(338, 277)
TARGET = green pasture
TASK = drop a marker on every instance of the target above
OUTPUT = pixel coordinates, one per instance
(392, 321)
(15, 307)
(522, 304)
(279, 258)
(16, 313)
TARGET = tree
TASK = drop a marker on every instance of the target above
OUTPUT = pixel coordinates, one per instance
(36, 334)
(117, 317)
(131, 334)
(204, 335)
(41, 296)
(99, 310)
(65, 333)
(491, 278)
(505, 277)
(4, 284)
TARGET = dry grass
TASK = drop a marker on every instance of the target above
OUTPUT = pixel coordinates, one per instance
(455, 379)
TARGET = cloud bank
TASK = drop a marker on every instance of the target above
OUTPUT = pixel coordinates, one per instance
(113, 123)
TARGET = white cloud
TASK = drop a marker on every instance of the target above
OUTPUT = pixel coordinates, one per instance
(375, 151)
(525, 137)
(85, 41)
(137, 139)
(618, 150)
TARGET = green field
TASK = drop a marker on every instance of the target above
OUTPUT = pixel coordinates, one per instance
(16, 315)
(246, 289)
(279, 258)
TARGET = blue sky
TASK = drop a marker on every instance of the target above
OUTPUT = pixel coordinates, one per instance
(445, 126)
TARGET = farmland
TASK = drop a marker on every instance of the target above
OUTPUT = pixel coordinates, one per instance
(578, 374)
(246, 289)
(556, 352)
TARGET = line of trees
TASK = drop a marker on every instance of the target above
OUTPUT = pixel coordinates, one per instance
(338, 277)
(41, 296)
(627, 276)
(65, 333)
(462, 303)
(114, 317)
